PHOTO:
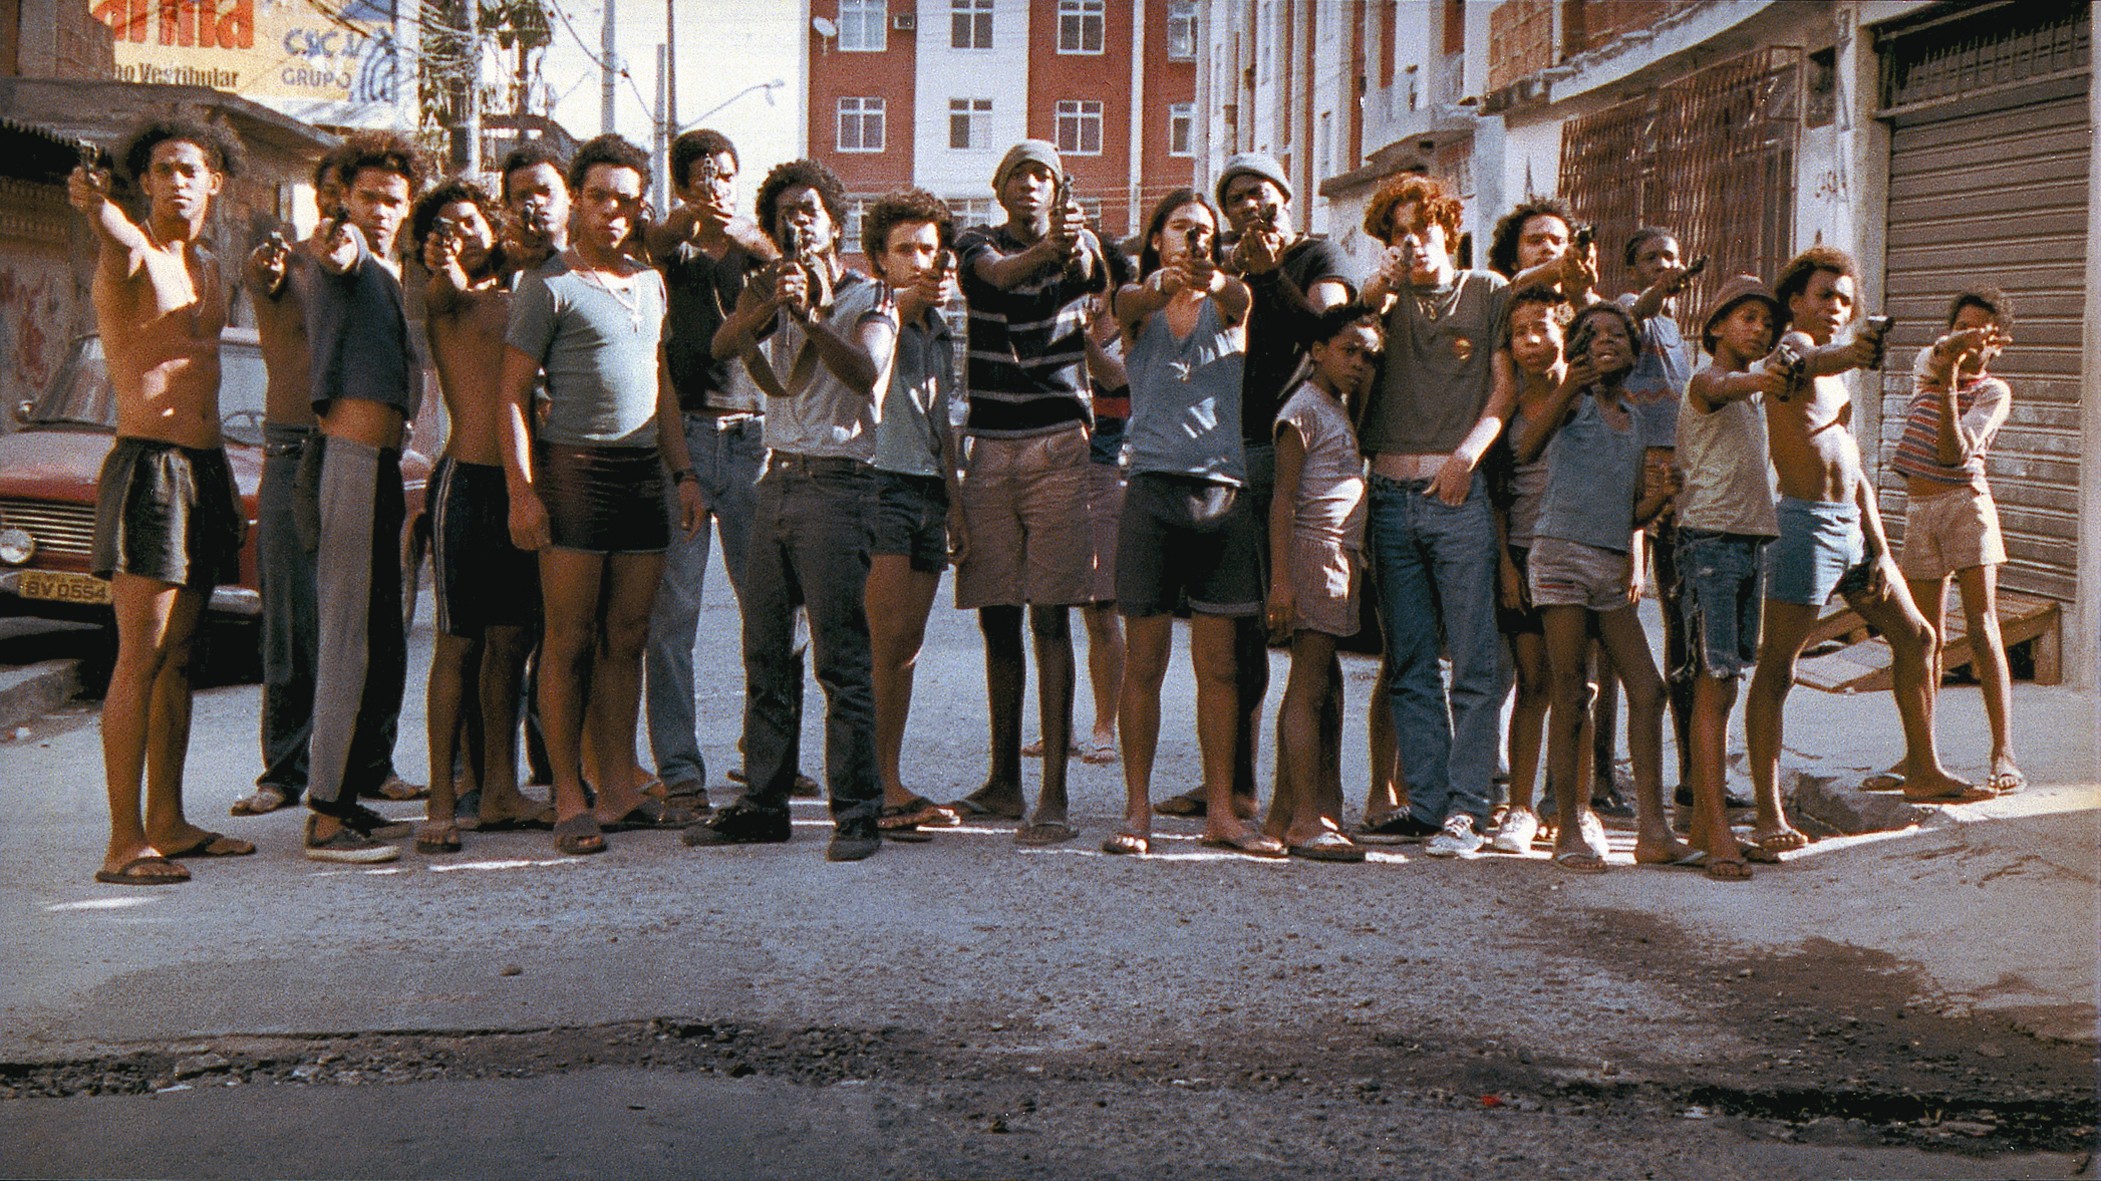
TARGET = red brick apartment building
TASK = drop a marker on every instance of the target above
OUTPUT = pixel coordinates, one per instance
(933, 92)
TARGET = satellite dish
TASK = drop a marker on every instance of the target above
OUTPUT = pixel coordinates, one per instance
(824, 26)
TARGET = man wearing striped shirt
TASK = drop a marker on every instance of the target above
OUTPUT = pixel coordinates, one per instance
(1023, 538)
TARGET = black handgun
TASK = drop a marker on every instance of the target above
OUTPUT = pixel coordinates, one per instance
(1193, 236)
(1698, 264)
(1581, 235)
(1877, 328)
(1793, 367)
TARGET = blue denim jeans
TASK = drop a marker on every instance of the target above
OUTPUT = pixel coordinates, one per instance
(1436, 569)
(809, 549)
(726, 461)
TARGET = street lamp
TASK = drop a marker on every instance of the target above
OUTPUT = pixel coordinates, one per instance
(768, 87)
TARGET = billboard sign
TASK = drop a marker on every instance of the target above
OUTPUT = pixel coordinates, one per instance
(323, 61)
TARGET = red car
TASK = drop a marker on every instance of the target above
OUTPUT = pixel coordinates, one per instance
(48, 468)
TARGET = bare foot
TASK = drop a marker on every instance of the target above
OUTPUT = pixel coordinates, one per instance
(1779, 840)
(994, 801)
(1938, 787)
(1649, 850)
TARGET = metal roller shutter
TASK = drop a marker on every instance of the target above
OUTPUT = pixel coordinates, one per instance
(1999, 197)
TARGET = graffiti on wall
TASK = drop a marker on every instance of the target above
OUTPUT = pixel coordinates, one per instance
(36, 298)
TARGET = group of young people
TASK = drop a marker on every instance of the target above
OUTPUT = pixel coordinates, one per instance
(1232, 426)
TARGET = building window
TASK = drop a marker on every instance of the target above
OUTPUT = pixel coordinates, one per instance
(1080, 127)
(860, 125)
(1181, 129)
(970, 24)
(1181, 30)
(972, 211)
(864, 26)
(1080, 26)
(856, 213)
(969, 123)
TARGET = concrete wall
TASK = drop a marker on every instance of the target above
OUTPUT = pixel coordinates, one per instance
(2082, 630)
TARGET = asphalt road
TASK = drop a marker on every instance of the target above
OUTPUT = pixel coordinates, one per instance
(1917, 1005)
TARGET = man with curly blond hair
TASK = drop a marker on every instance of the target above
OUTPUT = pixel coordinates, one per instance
(1440, 403)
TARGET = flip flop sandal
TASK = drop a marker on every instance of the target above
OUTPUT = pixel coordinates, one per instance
(649, 814)
(1697, 859)
(1329, 846)
(1968, 793)
(1127, 844)
(1098, 755)
(1883, 781)
(967, 808)
(579, 836)
(1188, 806)
(1052, 832)
(917, 812)
(2006, 782)
(144, 871)
(541, 821)
(1250, 844)
(260, 802)
(1580, 861)
(213, 844)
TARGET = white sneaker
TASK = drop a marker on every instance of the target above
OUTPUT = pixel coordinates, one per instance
(1458, 837)
(1515, 833)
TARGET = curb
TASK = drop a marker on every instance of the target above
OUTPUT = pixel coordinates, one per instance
(32, 691)
(1833, 799)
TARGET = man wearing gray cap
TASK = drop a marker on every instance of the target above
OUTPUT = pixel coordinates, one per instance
(1293, 279)
(1022, 530)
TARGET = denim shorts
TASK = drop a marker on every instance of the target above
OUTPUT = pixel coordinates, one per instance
(1820, 549)
(1721, 581)
(911, 520)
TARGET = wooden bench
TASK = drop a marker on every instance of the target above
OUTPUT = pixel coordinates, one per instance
(1865, 662)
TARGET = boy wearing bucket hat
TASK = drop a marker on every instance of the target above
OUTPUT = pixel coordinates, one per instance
(1725, 520)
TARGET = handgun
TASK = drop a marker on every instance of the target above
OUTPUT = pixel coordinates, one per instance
(1698, 264)
(1793, 367)
(1581, 236)
(1877, 328)
(1193, 236)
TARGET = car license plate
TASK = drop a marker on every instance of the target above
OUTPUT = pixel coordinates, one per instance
(65, 588)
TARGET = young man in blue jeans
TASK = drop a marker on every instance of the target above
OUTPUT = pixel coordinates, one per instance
(704, 251)
(1441, 401)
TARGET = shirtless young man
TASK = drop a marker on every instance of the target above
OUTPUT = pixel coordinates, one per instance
(1830, 539)
(488, 591)
(167, 525)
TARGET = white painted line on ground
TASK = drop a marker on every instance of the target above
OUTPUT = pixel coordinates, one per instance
(105, 903)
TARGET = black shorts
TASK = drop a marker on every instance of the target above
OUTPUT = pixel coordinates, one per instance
(603, 500)
(482, 580)
(1183, 535)
(167, 513)
(911, 518)
(1525, 620)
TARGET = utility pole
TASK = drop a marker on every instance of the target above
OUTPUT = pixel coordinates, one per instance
(470, 86)
(661, 141)
(671, 67)
(610, 62)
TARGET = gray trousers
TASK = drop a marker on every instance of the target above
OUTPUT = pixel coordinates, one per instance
(358, 511)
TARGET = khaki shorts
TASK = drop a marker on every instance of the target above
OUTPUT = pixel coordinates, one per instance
(1953, 531)
(1028, 536)
(1325, 577)
(1104, 513)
